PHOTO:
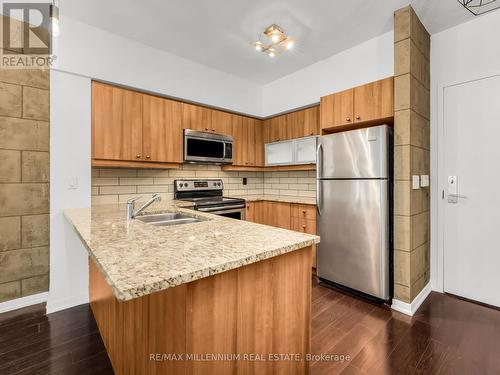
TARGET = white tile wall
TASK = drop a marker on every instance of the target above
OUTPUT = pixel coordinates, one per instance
(111, 185)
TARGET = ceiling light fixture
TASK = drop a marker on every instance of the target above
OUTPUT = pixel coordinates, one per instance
(277, 41)
(477, 7)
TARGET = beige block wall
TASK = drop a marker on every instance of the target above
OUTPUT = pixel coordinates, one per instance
(411, 154)
(24, 182)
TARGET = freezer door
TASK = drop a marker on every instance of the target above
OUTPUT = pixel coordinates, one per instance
(359, 153)
(353, 223)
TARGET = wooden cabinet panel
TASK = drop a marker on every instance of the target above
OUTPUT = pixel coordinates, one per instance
(337, 109)
(162, 129)
(240, 141)
(248, 147)
(221, 122)
(195, 117)
(250, 127)
(298, 124)
(374, 101)
(304, 211)
(259, 143)
(277, 214)
(311, 125)
(116, 123)
(304, 123)
(306, 226)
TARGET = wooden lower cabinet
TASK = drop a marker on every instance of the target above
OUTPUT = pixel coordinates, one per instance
(297, 217)
(262, 308)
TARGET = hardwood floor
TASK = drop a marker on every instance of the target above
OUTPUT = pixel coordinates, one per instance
(65, 343)
(446, 336)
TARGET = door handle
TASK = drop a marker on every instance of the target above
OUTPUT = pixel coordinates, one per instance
(457, 196)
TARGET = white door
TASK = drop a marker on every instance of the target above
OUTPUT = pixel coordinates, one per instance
(472, 224)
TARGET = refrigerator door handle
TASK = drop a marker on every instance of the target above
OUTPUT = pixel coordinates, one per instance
(319, 166)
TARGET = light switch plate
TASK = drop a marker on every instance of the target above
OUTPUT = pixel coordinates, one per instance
(415, 182)
(424, 180)
(73, 183)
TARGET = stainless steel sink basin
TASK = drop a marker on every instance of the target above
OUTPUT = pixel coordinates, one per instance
(166, 219)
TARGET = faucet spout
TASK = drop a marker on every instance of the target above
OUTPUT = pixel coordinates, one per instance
(131, 214)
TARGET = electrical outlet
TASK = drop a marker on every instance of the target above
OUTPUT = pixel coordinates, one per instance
(415, 182)
(244, 180)
(424, 180)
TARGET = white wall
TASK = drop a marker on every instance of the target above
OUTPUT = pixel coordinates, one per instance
(69, 159)
(96, 53)
(364, 63)
(463, 53)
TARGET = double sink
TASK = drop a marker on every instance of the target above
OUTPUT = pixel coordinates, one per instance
(168, 219)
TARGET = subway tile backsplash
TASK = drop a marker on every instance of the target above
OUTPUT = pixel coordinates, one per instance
(111, 185)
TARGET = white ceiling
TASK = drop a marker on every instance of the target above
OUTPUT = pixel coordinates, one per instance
(218, 33)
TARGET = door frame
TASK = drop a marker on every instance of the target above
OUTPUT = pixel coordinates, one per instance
(437, 168)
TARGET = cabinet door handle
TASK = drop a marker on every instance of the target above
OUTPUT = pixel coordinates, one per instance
(206, 129)
(148, 157)
(348, 119)
(138, 156)
(304, 226)
(304, 212)
(358, 117)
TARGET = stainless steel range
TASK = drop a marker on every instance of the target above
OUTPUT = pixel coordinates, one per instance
(207, 196)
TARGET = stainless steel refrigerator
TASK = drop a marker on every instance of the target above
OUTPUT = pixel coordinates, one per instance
(354, 191)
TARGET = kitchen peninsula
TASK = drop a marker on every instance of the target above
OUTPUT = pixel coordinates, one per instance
(167, 298)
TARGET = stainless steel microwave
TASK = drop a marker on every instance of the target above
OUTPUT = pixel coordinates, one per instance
(202, 147)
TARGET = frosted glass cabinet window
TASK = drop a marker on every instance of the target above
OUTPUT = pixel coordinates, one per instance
(278, 153)
(293, 151)
(305, 150)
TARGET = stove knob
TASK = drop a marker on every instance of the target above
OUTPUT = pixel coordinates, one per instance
(219, 184)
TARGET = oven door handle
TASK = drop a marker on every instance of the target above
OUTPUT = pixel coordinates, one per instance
(224, 208)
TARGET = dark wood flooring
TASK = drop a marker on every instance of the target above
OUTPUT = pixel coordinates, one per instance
(446, 336)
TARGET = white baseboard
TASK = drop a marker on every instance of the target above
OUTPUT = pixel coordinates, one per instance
(63, 304)
(19, 303)
(411, 308)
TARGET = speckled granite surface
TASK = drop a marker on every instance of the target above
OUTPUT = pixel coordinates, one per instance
(280, 198)
(139, 259)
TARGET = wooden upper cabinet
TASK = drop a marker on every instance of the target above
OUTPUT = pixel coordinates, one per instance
(116, 123)
(240, 142)
(337, 109)
(298, 124)
(307, 123)
(162, 129)
(221, 122)
(363, 104)
(195, 117)
(259, 143)
(374, 101)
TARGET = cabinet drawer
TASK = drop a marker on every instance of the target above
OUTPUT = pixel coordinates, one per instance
(304, 225)
(304, 211)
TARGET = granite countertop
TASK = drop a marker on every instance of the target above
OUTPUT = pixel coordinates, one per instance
(280, 198)
(138, 259)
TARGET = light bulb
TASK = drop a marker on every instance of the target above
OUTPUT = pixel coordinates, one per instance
(272, 54)
(275, 38)
(258, 46)
(289, 44)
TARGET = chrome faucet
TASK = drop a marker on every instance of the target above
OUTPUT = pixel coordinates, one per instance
(131, 205)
